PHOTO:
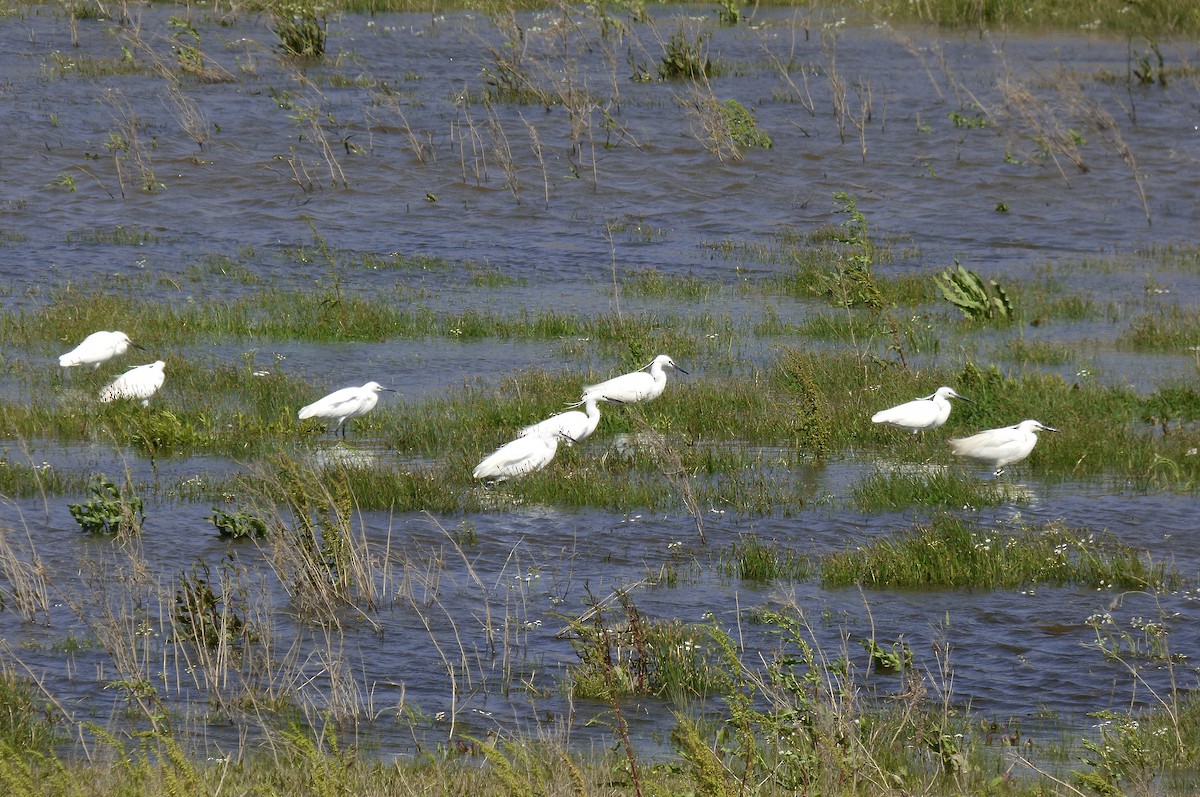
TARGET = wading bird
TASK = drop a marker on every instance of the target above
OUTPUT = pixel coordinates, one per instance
(921, 414)
(520, 456)
(97, 348)
(342, 405)
(574, 425)
(138, 383)
(642, 385)
(1000, 447)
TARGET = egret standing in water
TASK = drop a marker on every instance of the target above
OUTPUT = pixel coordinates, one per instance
(921, 414)
(574, 425)
(138, 383)
(1000, 447)
(97, 348)
(641, 385)
(342, 405)
(518, 457)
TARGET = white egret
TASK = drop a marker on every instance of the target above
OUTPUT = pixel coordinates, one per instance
(138, 383)
(641, 385)
(921, 414)
(520, 456)
(574, 425)
(342, 405)
(1001, 447)
(97, 348)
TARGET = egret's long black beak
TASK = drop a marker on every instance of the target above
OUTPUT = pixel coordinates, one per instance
(963, 398)
(681, 369)
(134, 345)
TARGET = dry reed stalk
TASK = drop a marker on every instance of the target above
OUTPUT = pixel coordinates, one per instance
(27, 577)
(464, 132)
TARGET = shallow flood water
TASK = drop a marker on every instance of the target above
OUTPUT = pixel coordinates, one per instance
(938, 132)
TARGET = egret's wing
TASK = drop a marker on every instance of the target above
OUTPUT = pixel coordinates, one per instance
(918, 412)
(516, 457)
(336, 404)
(993, 444)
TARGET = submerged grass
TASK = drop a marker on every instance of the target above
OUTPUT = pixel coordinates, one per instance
(752, 559)
(951, 553)
(884, 490)
(1174, 329)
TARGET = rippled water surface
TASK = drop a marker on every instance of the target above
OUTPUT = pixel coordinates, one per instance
(512, 187)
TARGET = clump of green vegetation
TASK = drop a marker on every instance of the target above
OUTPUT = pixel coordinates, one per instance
(979, 302)
(18, 480)
(685, 59)
(206, 618)
(729, 12)
(892, 659)
(653, 283)
(110, 510)
(121, 235)
(1176, 329)
(797, 372)
(238, 525)
(894, 489)
(1171, 403)
(951, 553)
(742, 127)
(26, 730)
(751, 559)
(300, 26)
(637, 656)
(1037, 352)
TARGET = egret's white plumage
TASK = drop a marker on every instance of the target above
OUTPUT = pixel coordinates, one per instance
(1000, 447)
(97, 348)
(342, 405)
(642, 385)
(138, 383)
(518, 457)
(573, 424)
(921, 414)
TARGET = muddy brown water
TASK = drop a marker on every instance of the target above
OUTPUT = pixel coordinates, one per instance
(927, 185)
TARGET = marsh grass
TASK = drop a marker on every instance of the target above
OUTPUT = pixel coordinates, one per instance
(951, 553)
(1037, 352)
(623, 654)
(1173, 329)
(812, 262)
(652, 283)
(24, 578)
(21, 480)
(331, 313)
(884, 490)
(314, 541)
(25, 729)
(752, 559)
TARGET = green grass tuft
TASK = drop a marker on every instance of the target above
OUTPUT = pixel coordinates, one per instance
(893, 489)
(956, 554)
(751, 559)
